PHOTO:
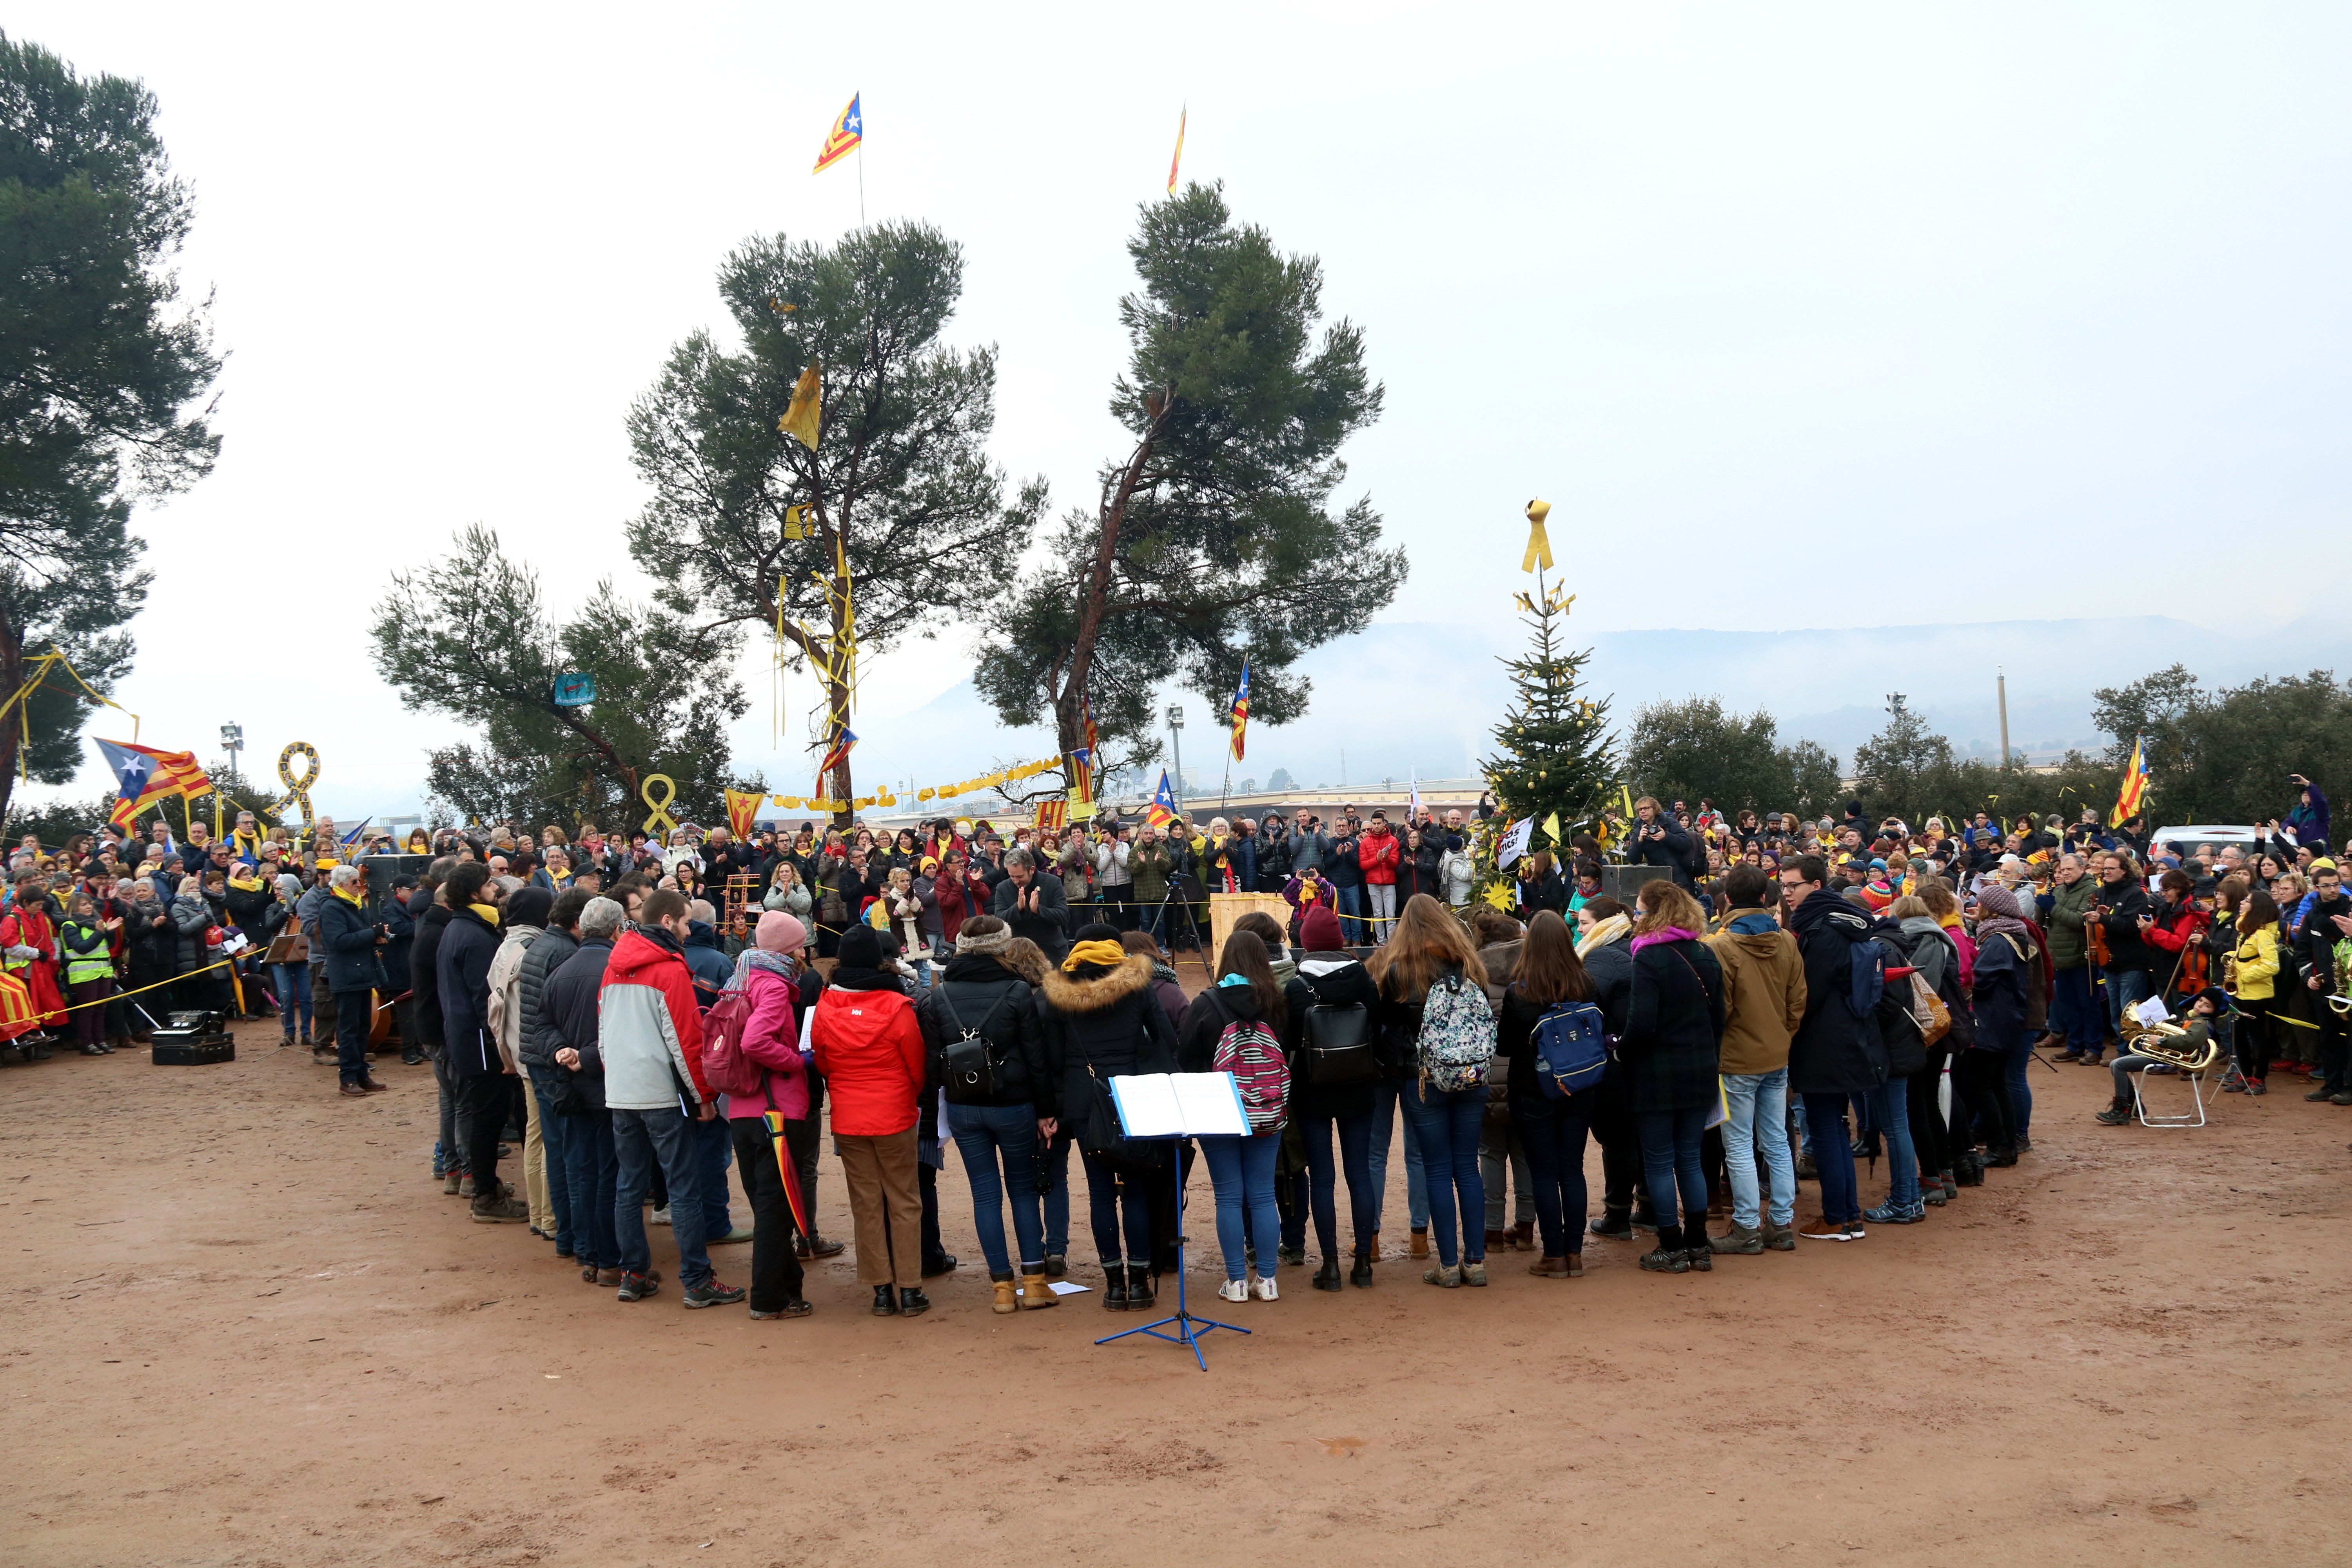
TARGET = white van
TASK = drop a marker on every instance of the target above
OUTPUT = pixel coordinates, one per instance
(2216, 834)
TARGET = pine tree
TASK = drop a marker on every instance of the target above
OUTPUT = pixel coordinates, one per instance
(1555, 757)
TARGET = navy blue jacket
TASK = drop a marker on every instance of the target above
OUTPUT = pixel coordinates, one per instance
(712, 970)
(348, 941)
(462, 968)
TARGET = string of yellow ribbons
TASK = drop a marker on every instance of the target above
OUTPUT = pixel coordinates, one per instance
(884, 797)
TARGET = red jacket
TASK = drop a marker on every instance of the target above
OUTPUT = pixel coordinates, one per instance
(1377, 853)
(870, 1047)
(649, 1030)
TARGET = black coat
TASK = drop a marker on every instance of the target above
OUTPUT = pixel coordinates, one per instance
(990, 999)
(1049, 927)
(544, 957)
(567, 1015)
(400, 934)
(1349, 984)
(424, 975)
(1417, 872)
(1833, 1051)
(1674, 1026)
(462, 968)
(1673, 850)
(347, 942)
(1101, 1026)
(2125, 905)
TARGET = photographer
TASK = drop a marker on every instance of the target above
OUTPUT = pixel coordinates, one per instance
(1658, 842)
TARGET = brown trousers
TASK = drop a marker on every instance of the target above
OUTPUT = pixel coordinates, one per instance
(886, 1206)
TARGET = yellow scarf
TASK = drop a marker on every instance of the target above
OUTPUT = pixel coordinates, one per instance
(348, 896)
(1109, 954)
(488, 912)
(246, 881)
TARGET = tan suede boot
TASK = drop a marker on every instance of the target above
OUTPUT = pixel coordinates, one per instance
(1034, 1292)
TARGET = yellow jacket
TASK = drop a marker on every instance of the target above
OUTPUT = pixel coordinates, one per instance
(2258, 963)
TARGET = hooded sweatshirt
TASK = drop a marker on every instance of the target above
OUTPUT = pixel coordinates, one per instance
(1764, 990)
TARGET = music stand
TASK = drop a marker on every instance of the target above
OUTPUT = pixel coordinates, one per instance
(1189, 1326)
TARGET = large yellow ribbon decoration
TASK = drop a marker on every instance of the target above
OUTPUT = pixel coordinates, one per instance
(661, 807)
(1539, 542)
(297, 791)
(801, 419)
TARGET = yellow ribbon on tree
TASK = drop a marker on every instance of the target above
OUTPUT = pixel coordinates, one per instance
(1539, 542)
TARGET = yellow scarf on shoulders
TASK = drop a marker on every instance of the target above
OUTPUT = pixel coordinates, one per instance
(488, 912)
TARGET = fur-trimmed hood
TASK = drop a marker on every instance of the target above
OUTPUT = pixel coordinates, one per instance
(1070, 993)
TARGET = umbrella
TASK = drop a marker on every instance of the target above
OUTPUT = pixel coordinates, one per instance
(791, 1172)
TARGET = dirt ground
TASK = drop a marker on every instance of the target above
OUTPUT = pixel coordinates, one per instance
(246, 1329)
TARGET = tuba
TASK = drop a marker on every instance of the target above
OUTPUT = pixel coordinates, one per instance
(2170, 1043)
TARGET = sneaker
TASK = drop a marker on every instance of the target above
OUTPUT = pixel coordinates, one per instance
(1661, 1262)
(501, 1211)
(1233, 1290)
(1473, 1271)
(1611, 1225)
(466, 1187)
(712, 1292)
(1295, 1257)
(1893, 1212)
(1745, 1240)
(2316, 1096)
(1699, 1259)
(1822, 1228)
(1265, 1290)
(451, 1181)
(2341, 1097)
(2254, 1086)
(1446, 1278)
(2235, 1085)
(1056, 1265)
(818, 1246)
(639, 1287)
(1854, 1231)
(661, 1215)
(789, 1309)
(1643, 1220)
(739, 1234)
(607, 1277)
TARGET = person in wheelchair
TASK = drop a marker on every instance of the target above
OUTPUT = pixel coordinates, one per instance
(2209, 1020)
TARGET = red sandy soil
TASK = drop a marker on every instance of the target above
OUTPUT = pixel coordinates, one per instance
(246, 1329)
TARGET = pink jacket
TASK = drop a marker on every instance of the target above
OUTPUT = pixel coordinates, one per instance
(772, 1038)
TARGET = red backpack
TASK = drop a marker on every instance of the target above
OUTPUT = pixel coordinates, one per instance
(724, 1066)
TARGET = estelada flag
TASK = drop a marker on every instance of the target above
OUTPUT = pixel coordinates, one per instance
(743, 812)
(1241, 711)
(842, 743)
(144, 776)
(2135, 785)
(843, 139)
(1053, 813)
(1163, 809)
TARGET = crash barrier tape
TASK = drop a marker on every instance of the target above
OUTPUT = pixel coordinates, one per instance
(119, 995)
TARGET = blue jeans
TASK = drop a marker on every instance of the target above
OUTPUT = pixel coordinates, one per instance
(1055, 1153)
(1446, 1122)
(592, 1170)
(1669, 1141)
(1242, 1172)
(552, 1131)
(982, 1134)
(2125, 989)
(1376, 1159)
(1887, 1108)
(1759, 1100)
(1351, 914)
(1150, 918)
(2021, 1091)
(2074, 1009)
(1552, 1132)
(714, 1146)
(1832, 1157)
(293, 995)
(640, 1140)
(1355, 1160)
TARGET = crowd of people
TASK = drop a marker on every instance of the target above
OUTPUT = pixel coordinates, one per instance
(1776, 1001)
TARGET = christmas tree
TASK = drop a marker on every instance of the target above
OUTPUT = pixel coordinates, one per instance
(1555, 760)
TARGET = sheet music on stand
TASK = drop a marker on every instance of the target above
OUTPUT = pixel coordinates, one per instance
(1180, 1105)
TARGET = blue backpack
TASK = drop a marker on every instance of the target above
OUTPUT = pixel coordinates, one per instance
(1571, 1043)
(1866, 976)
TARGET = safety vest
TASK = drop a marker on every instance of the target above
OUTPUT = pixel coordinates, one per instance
(83, 967)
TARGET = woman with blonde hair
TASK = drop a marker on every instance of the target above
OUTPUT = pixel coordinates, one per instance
(1674, 1038)
(1431, 950)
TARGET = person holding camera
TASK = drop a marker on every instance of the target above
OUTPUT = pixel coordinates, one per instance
(1657, 841)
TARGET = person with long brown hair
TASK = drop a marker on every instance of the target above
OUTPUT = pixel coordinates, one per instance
(1551, 1127)
(1429, 948)
(1245, 998)
(1674, 1038)
(2254, 989)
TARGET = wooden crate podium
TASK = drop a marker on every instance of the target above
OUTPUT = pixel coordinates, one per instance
(1225, 909)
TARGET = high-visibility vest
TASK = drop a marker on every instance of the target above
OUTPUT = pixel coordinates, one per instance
(83, 967)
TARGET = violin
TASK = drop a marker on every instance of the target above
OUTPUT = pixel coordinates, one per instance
(2095, 928)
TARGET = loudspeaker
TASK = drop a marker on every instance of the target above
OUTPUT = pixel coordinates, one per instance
(379, 870)
(176, 1048)
(1623, 882)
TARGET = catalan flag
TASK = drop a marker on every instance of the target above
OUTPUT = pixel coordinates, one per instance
(1163, 809)
(144, 776)
(2127, 801)
(844, 739)
(1241, 711)
(843, 139)
(1179, 158)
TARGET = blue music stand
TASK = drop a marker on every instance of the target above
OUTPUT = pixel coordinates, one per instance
(1189, 1328)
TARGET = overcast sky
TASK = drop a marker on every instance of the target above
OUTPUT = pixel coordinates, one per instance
(1782, 307)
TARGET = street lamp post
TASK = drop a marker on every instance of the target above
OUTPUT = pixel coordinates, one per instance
(1176, 746)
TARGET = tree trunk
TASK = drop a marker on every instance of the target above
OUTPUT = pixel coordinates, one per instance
(1069, 703)
(12, 725)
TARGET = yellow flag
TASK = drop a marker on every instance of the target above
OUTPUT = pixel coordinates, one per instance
(801, 419)
(1551, 828)
(1539, 542)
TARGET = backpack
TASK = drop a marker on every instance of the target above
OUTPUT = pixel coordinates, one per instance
(1248, 1050)
(1339, 1046)
(1457, 1037)
(972, 1072)
(1866, 976)
(1571, 1042)
(724, 1066)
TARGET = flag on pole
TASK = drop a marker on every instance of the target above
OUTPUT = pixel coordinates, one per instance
(144, 776)
(2135, 784)
(843, 139)
(743, 812)
(1163, 809)
(842, 740)
(1551, 828)
(1413, 777)
(352, 837)
(1241, 711)
(1179, 158)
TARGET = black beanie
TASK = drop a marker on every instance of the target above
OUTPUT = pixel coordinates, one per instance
(861, 948)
